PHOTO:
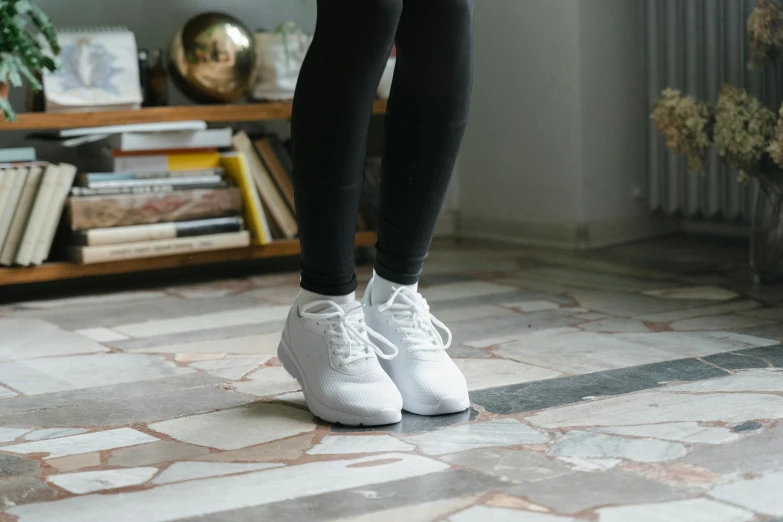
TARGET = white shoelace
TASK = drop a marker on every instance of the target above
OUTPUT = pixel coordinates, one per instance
(419, 326)
(349, 333)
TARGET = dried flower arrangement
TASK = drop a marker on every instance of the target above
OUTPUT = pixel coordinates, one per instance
(744, 131)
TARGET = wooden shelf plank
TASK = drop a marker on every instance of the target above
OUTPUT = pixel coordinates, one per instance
(60, 271)
(208, 113)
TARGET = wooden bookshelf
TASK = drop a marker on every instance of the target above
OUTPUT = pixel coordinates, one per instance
(56, 271)
(208, 113)
(59, 271)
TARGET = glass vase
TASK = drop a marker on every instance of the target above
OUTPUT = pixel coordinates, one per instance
(766, 246)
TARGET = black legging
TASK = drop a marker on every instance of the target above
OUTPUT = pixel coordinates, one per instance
(426, 117)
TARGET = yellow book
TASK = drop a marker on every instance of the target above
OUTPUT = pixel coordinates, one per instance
(235, 165)
(194, 161)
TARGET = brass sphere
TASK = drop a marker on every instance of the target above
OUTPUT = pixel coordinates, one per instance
(212, 58)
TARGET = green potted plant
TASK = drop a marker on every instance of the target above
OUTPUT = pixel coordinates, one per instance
(28, 45)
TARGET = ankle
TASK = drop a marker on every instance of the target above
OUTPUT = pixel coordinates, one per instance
(382, 289)
(307, 297)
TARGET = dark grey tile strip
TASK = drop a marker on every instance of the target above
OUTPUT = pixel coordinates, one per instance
(539, 395)
(356, 501)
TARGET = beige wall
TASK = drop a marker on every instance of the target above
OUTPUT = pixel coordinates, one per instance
(555, 150)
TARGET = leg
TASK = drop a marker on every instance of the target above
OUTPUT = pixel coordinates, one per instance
(330, 125)
(428, 111)
(326, 344)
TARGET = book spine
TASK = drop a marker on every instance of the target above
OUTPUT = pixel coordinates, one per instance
(101, 254)
(144, 189)
(93, 180)
(86, 212)
(158, 231)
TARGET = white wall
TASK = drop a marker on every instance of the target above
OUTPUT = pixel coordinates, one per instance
(554, 151)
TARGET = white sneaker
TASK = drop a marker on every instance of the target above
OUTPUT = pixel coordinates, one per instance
(327, 348)
(429, 381)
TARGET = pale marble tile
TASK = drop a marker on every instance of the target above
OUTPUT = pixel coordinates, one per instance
(90, 481)
(759, 494)
(249, 426)
(283, 294)
(496, 514)
(694, 293)
(198, 357)
(11, 434)
(718, 322)
(612, 325)
(449, 291)
(704, 311)
(591, 464)
(297, 398)
(745, 381)
(585, 444)
(47, 375)
(679, 431)
(84, 443)
(504, 432)
(658, 407)
(29, 338)
(581, 352)
(454, 315)
(118, 297)
(262, 344)
(211, 289)
(426, 512)
(5, 393)
(585, 352)
(486, 343)
(576, 278)
(182, 471)
(220, 494)
(74, 462)
(490, 373)
(349, 444)
(291, 448)
(101, 334)
(233, 368)
(154, 328)
(694, 510)
(268, 381)
(53, 433)
(532, 306)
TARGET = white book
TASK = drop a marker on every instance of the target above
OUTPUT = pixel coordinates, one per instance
(156, 126)
(163, 247)
(34, 224)
(209, 138)
(21, 216)
(18, 178)
(6, 178)
(53, 213)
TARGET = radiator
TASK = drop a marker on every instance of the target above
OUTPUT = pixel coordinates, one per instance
(695, 46)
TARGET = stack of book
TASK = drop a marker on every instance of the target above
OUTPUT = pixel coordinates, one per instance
(32, 195)
(171, 193)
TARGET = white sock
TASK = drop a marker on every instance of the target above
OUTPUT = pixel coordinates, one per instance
(382, 289)
(306, 297)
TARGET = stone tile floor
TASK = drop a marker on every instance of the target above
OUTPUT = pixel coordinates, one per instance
(637, 383)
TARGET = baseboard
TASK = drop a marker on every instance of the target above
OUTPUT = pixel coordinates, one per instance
(572, 236)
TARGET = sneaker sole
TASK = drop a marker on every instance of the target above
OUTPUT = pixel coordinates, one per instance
(382, 418)
(446, 406)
